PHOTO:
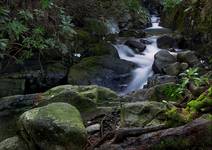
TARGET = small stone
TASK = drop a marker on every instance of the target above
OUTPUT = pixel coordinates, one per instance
(93, 128)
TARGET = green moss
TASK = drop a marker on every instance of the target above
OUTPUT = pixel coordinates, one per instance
(177, 117)
(84, 98)
(143, 114)
(203, 101)
(61, 121)
(164, 92)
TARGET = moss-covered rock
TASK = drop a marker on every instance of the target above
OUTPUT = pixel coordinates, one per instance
(202, 102)
(84, 98)
(55, 126)
(143, 114)
(163, 92)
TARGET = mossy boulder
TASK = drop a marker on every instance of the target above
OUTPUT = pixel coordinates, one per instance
(163, 92)
(143, 114)
(84, 98)
(55, 126)
(104, 70)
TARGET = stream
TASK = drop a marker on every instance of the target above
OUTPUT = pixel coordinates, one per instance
(145, 60)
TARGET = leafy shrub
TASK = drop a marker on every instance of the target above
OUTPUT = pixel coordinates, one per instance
(190, 75)
(25, 31)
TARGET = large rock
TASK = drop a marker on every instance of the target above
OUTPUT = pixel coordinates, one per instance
(166, 42)
(137, 46)
(162, 60)
(88, 99)
(140, 114)
(11, 86)
(158, 79)
(188, 57)
(55, 126)
(102, 70)
(84, 98)
(173, 69)
(159, 93)
(13, 143)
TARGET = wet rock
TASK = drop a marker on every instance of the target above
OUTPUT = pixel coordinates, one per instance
(145, 41)
(13, 143)
(166, 41)
(158, 79)
(162, 59)
(188, 57)
(172, 69)
(55, 126)
(143, 114)
(137, 46)
(102, 70)
(11, 86)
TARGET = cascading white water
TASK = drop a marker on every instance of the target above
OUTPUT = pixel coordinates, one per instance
(155, 22)
(144, 61)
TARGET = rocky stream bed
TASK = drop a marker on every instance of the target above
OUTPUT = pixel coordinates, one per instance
(134, 90)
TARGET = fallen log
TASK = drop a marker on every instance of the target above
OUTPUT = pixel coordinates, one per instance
(197, 134)
(123, 133)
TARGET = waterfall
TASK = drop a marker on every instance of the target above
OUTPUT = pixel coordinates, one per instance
(144, 61)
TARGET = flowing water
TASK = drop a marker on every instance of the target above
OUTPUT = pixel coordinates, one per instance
(144, 61)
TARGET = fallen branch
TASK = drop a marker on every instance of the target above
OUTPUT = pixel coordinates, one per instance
(124, 133)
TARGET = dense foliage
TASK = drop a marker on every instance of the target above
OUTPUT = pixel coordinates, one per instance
(28, 32)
